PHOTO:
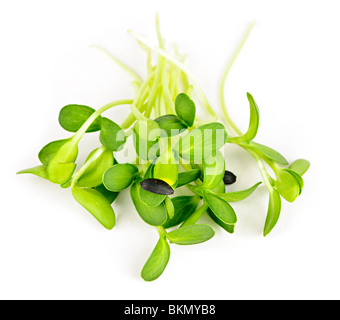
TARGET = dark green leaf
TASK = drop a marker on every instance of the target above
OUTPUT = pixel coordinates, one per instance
(171, 125)
(119, 177)
(227, 227)
(109, 195)
(154, 216)
(221, 208)
(95, 203)
(187, 177)
(111, 135)
(157, 261)
(185, 109)
(193, 234)
(73, 116)
(184, 206)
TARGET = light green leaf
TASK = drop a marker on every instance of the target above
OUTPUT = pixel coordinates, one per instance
(221, 208)
(154, 216)
(93, 175)
(274, 209)
(202, 142)
(166, 168)
(192, 234)
(95, 203)
(157, 261)
(300, 166)
(268, 153)
(298, 179)
(238, 195)
(287, 185)
(253, 122)
(48, 152)
(185, 109)
(119, 176)
(40, 171)
(187, 177)
(169, 207)
(62, 166)
(73, 116)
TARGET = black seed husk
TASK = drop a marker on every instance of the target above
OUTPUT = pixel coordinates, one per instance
(229, 177)
(156, 186)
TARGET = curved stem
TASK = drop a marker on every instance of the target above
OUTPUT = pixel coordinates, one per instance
(224, 78)
(95, 115)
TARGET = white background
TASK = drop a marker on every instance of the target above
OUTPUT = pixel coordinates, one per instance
(50, 248)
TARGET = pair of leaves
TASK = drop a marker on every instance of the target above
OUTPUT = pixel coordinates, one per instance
(146, 136)
(97, 204)
(202, 142)
(93, 175)
(153, 215)
(73, 117)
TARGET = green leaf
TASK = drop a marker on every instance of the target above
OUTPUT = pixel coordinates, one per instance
(300, 166)
(253, 122)
(154, 216)
(151, 199)
(147, 130)
(298, 179)
(184, 207)
(111, 135)
(185, 109)
(214, 170)
(274, 209)
(40, 171)
(169, 207)
(73, 116)
(146, 150)
(157, 261)
(62, 166)
(119, 177)
(287, 185)
(193, 234)
(95, 203)
(268, 153)
(202, 142)
(187, 177)
(171, 125)
(109, 195)
(227, 227)
(48, 152)
(221, 208)
(238, 195)
(93, 175)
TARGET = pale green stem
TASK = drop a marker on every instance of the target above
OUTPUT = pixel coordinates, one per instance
(224, 78)
(164, 54)
(131, 72)
(195, 216)
(95, 115)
